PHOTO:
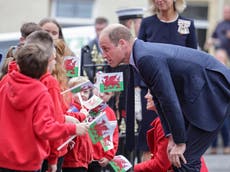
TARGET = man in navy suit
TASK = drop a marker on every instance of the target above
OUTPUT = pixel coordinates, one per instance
(190, 89)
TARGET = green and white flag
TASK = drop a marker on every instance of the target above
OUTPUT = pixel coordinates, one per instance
(79, 87)
(100, 128)
(110, 82)
(107, 142)
(72, 66)
(120, 164)
(93, 102)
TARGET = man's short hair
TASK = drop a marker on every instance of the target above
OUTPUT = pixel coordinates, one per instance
(101, 20)
(42, 38)
(116, 32)
(32, 60)
(28, 28)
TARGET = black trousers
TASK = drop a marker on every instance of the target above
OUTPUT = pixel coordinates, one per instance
(94, 167)
(78, 169)
(198, 142)
(59, 165)
(9, 170)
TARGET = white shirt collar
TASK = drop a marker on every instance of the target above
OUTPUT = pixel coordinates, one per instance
(131, 60)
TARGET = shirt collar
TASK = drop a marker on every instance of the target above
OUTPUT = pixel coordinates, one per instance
(131, 59)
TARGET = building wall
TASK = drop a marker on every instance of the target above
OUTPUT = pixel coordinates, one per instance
(15, 12)
(108, 7)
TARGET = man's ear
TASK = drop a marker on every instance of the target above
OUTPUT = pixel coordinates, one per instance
(122, 43)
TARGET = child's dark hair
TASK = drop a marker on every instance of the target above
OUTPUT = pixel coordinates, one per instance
(42, 38)
(32, 60)
(28, 28)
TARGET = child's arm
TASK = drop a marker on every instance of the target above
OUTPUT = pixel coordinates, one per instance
(78, 115)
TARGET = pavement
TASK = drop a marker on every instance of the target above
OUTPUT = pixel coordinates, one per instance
(218, 162)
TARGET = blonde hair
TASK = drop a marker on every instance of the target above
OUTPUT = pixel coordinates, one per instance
(59, 71)
(62, 48)
(179, 6)
(77, 80)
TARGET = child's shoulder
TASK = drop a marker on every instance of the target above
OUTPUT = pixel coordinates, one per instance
(110, 113)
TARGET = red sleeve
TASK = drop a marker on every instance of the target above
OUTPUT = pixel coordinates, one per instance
(46, 127)
(78, 115)
(58, 112)
(112, 117)
(44, 124)
(159, 161)
(203, 165)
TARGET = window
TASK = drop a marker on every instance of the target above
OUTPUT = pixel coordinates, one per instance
(73, 12)
(74, 8)
(199, 13)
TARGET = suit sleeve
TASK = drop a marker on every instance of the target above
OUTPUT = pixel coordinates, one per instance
(162, 117)
(157, 76)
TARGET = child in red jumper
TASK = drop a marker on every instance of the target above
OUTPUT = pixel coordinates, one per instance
(80, 150)
(158, 143)
(55, 158)
(100, 157)
(25, 112)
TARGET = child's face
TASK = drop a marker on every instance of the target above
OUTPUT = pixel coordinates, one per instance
(104, 96)
(150, 104)
(52, 62)
(84, 95)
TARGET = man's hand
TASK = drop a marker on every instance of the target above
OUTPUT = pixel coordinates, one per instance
(103, 162)
(82, 128)
(176, 152)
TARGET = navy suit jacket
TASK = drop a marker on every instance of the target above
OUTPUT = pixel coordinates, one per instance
(186, 84)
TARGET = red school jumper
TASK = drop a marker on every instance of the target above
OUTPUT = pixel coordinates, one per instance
(158, 143)
(54, 90)
(26, 123)
(81, 154)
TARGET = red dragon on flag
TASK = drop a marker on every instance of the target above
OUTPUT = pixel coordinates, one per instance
(111, 81)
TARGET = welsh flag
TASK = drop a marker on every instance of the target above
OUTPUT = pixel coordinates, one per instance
(107, 142)
(95, 111)
(110, 82)
(72, 66)
(79, 87)
(100, 128)
(93, 102)
(120, 164)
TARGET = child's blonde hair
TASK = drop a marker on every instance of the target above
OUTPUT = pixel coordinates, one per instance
(77, 80)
